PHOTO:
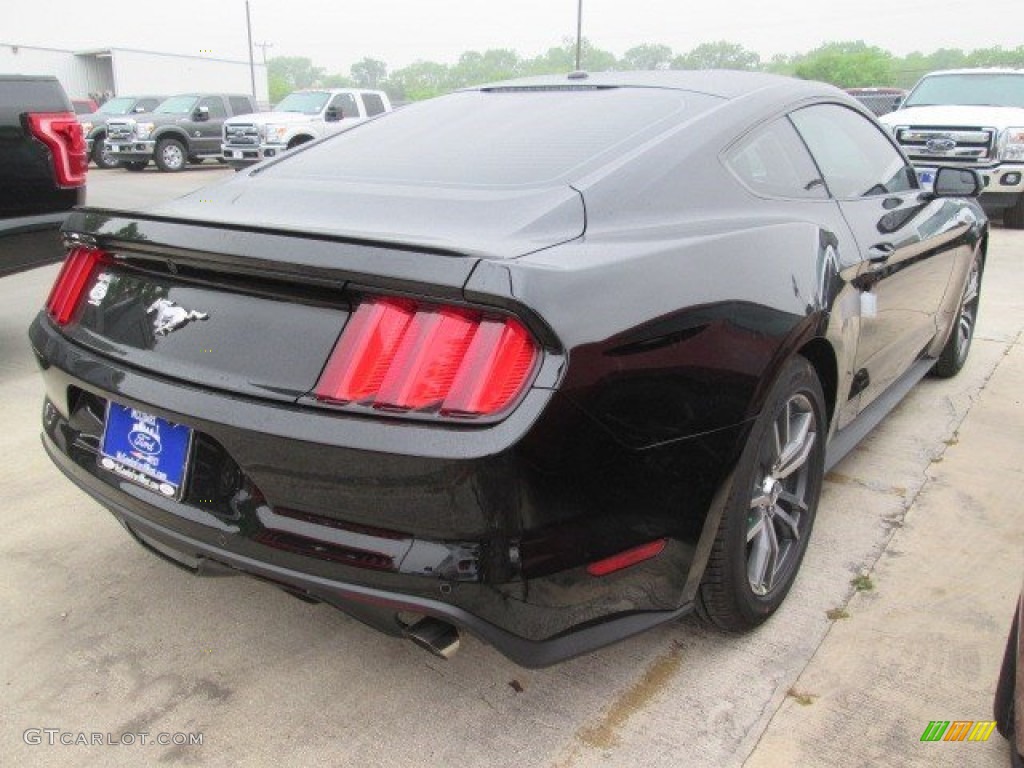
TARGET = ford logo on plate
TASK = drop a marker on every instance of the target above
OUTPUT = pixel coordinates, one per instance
(940, 145)
(144, 440)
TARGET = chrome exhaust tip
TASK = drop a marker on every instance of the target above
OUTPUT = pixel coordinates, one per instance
(438, 637)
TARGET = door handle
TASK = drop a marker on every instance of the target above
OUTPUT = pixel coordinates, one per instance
(880, 253)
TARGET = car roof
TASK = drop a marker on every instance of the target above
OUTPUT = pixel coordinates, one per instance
(724, 83)
(978, 71)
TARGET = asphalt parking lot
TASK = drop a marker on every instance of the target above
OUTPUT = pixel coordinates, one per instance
(102, 637)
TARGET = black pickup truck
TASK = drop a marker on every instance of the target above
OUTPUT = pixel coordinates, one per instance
(183, 129)
(94, 124)
(42, 169)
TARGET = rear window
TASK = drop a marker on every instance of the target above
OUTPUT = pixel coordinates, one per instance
(505, 137)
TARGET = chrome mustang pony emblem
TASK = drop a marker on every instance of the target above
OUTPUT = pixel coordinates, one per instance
(170, 317)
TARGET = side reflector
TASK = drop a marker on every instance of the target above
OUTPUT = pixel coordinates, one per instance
(398, 355)
(627, 558)
(62, 135)
(74, 276)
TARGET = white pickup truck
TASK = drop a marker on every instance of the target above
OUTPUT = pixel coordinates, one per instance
(970, 118)
(300, 117)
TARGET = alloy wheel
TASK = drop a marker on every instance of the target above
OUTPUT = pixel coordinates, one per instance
(776, 521)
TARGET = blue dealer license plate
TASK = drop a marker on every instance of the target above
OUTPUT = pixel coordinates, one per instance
(145, 449)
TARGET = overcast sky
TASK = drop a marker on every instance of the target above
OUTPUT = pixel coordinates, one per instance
(336, 33)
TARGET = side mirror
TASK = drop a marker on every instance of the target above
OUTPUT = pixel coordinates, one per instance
(201, 114)
(333, 115)
(897, 103)
(956, 182)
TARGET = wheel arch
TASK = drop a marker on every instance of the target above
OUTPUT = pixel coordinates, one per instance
(301, 138)
(822, 357)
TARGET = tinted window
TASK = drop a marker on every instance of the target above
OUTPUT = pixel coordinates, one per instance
(239, 106)
(497, 138)
(215, 105)
(854, 155)
(374, 104)
(773, 161)
(345, 105)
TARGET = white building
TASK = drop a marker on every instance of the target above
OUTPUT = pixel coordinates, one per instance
(124, 71)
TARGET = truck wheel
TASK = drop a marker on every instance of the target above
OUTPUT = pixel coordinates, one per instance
(101, 156)
(770, 506)
(134, 165)
(170, 155)
(1013, 217)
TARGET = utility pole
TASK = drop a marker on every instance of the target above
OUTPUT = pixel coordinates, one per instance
(252, 64)
(579, 31)
(263, 47)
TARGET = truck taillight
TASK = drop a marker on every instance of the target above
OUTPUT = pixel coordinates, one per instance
(79, 267)
(62, 135)
(397, 355)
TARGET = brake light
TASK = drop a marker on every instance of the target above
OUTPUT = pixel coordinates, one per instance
(627, 558)
(79, 267)
(62, 134)
(398, 355)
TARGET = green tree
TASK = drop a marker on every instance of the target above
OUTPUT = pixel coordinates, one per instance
(718, 55)
(336, 81)
(562, 59)
(847, 65)
(369, 73)
(294, 71)
(647, 56)
(420, 80)
(475, 68)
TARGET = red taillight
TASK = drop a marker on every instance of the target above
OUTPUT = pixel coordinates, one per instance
(74, 276)
(627, 558)
(62, 134)
(397, 355)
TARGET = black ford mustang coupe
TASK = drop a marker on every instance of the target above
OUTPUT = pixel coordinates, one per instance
(549, 361)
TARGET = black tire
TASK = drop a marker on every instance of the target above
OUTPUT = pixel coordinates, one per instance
(100, 156)
(1002, 703)
(958, 345)
(135, 165)
(298, 141)
(770, 507)
(1013, 217)
(170, 155)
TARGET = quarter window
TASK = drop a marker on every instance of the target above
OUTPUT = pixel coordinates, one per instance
(854, 155)
(772, 161)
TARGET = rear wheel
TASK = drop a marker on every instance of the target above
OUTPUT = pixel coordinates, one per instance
(134, 165)
(954, 354)
(101, 156)
(170, 155)
(771, 504)
(1013, 217)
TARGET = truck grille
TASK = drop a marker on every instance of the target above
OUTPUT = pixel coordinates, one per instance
(937, 143)
(120, 131)
(241, 135)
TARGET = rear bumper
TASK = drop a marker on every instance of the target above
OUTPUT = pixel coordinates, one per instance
(378, 607)
(378, 519)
